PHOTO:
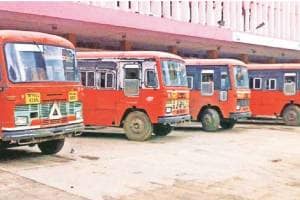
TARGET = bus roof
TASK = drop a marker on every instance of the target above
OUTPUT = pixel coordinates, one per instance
(126, 54)
(219, 61)
(274, 66)
(33, 37)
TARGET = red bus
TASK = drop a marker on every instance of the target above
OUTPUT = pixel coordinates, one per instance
(39, 90)
(141, 91)
(275, 91)
(219, 93)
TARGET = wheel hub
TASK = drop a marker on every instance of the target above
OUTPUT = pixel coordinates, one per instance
(292, 116)
(137, 126)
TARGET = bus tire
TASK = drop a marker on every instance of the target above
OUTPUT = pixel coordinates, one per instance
(210, 120)
(137, 126)
(51, 147)
(227, 123)
(162, 130)
(291, 115)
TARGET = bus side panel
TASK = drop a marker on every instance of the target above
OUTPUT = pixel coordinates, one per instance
(197, 101)
(100, 106)
(270, 103)
(149, 100)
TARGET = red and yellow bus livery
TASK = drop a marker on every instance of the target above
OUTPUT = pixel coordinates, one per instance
(219, 92)
(275, 91)
(39, 90)
(143, 92)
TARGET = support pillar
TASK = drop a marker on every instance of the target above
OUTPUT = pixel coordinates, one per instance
(244, 58)
(173, 49)
(271, 60)
(72, 38)
(125, 45)
(212, 54)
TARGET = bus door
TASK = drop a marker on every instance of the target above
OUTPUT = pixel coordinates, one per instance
(207, 82)
(131, 79)
(224, 85)
(289, 84)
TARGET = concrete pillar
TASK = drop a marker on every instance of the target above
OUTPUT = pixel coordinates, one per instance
(167, 9)
(246, 5)
(125, 45)
(156, 8)
(212, 54)
(195, 12)
(226, 13)
(72, 38)
(244, 58)
(173, 49)
(271, 19)
(202, 12)
(271, 60)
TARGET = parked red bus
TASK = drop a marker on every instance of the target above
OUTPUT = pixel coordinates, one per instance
(39, 90)
(275, 91)
(219, 92)
(141, 91)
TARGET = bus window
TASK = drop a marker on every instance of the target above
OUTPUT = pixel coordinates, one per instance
(83, 78)
(207, 82)
(224, 81)
(151, 80)
(90, 79)
(190, 81)
(257, 83)
(105, 79)
(131, 79)
(271, 84)
(289, 87)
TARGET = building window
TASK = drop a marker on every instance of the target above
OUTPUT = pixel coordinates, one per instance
(271, 84)
(190, 81)
(257, 83)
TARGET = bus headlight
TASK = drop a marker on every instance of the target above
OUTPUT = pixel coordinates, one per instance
(168, 110)
(21, 121)
(78, 115)
(238, 107)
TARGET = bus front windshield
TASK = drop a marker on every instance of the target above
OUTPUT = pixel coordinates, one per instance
(241, 77)
(174, 73)
(35, 63)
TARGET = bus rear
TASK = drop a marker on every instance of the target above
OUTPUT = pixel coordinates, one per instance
(40, 92)
(219, 92)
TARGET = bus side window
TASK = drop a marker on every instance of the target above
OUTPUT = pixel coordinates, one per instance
(289, 87)
(190, 81)
(90, 79)
(250, 82)
(271, 84)
(224, 81)
(150, 77)
(207, 82)
(83, 78)
(106, 80)
(257, 83)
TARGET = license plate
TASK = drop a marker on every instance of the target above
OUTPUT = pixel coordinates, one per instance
(32, 98)
(73, 96)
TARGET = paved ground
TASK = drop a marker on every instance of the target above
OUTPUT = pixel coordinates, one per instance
(248, 162)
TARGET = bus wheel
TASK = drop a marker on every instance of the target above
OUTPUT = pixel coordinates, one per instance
(138, 126)
(227, 123)
(291, 115)
(162, 130)
(210, 120)
(51, 147)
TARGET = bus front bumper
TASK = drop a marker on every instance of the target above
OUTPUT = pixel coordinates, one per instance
(36, 135)
(239, 115)
(172, 120)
